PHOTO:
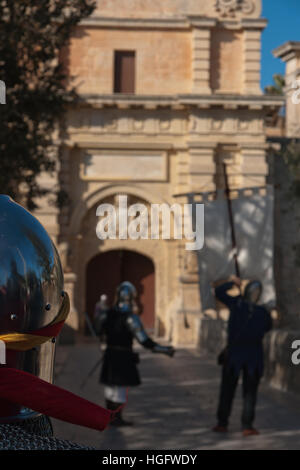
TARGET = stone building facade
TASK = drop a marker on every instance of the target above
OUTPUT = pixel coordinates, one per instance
(290, 54)
(190, 99)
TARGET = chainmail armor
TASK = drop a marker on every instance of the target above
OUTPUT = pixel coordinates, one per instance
(13, 437)
(39, 425)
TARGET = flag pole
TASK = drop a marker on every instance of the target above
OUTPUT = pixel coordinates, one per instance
(231, 222)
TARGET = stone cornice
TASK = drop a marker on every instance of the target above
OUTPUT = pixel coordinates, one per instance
(201, 145)
(257, 24)
(136, 23)
(183, 23)
(254, 102)
(160, 146)
(200, 22)
(182, 102)
(253, 145)
(254, 23)
(287, 50)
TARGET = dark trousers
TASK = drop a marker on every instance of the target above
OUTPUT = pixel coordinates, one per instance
(228, 388)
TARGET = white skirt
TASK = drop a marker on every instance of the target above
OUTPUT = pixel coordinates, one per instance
(115, 393)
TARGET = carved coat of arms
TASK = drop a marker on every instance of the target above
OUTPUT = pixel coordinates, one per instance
(230, 7)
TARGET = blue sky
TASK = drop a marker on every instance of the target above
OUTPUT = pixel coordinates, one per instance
(284, 25)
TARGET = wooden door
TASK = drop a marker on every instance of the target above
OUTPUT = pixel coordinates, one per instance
(107, 270)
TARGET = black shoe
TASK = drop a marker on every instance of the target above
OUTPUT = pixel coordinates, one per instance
(118, 419)
(111, 405)
(120, 422)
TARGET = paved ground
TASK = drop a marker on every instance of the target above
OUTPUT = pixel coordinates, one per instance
(175, 406)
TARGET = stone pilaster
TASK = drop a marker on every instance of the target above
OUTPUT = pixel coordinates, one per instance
(201, 61)
(182, 172)
(202, 167)
(252, 57)
(188, 309)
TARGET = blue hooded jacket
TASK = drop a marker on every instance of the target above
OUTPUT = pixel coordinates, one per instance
(247, 325)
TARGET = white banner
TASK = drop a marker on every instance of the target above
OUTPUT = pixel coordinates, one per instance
(253, 223)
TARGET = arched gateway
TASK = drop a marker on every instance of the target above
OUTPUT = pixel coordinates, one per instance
(107, 270)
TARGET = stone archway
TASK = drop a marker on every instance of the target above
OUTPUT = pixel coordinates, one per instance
(107, 270)
(84, 246)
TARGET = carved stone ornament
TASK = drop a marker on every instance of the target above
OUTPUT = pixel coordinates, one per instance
(230, 7)
(217, 124)
(165, 124)
(138, 124)
(243, 125)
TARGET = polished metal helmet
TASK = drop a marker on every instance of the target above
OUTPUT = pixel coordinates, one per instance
(126, 293)
(31, 297)
(253, 291)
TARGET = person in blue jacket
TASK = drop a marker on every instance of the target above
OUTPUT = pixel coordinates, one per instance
(247, 325)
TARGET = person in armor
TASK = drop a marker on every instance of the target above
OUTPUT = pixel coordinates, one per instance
(33, 309)
(121, 325)
(247, 325)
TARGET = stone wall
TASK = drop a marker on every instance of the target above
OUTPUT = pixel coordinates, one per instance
(163, 60)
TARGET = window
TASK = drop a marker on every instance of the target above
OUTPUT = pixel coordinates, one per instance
(124, 80)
